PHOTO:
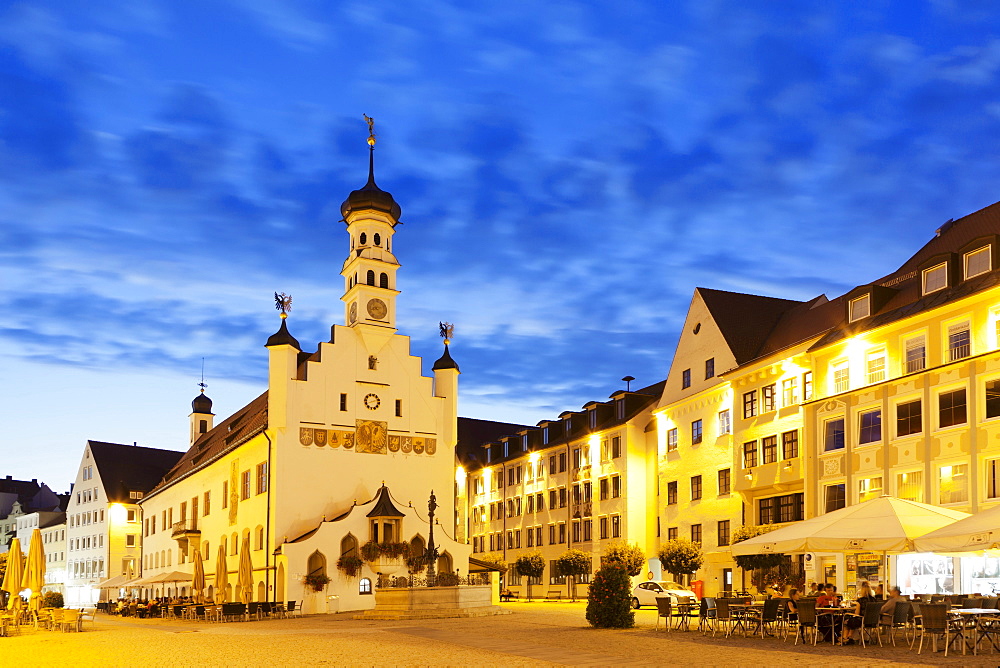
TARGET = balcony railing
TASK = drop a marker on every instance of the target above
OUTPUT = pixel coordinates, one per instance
(184, 527)
(914, 365)
(958, 352)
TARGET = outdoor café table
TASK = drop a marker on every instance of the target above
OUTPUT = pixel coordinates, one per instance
(975, 614)
(835, 614)
(744, 613)
(685, 614)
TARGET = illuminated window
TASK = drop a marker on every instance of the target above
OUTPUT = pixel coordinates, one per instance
(789, 391)
(836, 498)
(725, 423)
(953, 484)
(861, 307)
(841, 377)
(767, 398)
(958, 342)
(671, 439)
(870, 427)
(977, 262)
(750, 404)
(869, 488)
(696, 432)
(724, 481)
(909, 418)
(749, 454)
(993, 398)
(790, 444)
(834, 439)
(910, 486)
(685, 379)
(935, 278)
(951, 408)
(365, 586)
(807, 386)
(769, 449)
(876, 367)
(916, 355)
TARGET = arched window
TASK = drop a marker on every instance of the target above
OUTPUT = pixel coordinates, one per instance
(378, 239)
(317, 563)
(261, 593)
(371, 277)
(348, 546)
(383, 280)
(260, 538)
(223, 542)
(365, 586)
(205, 552)
(364, 238)
(417, 546)
(234, 543)
(444, 564)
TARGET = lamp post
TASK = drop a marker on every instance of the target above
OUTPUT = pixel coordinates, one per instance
(431, 554)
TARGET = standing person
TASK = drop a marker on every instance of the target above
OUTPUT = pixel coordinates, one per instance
(865, 597)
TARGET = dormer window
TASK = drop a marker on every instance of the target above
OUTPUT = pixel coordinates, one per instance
(592, 415)
(861, 307)
(936, 278)
(977, 262)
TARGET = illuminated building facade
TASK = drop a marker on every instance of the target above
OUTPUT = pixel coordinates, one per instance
(582, 481)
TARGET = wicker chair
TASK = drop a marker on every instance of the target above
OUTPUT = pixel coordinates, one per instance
(706, 615)
(664, 610)
(807, 619)
(934, 621)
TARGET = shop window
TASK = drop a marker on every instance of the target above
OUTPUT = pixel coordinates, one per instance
(953, 484)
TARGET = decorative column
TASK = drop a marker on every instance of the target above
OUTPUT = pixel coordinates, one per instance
(432, 553)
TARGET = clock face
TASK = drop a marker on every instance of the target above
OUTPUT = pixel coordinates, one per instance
(354, 311)
(377, 308)
(372, 401)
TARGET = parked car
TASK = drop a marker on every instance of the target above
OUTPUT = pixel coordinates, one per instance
(645, 593)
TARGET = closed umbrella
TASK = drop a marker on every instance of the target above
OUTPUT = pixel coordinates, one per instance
(12, 578)
(245, 582)
(977, 533)
(34, 571)
(221, 575)
(198, 581)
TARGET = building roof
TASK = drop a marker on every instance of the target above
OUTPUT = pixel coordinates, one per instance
(31, 494)
(473, 433)
(384, 506)
(445, 361)
(130, 468)
(230, 433)
(746, 321)
(283, 337)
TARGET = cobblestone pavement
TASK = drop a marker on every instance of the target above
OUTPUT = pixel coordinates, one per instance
(537, 634)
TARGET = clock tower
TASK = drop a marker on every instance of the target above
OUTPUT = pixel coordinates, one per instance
(370, 269)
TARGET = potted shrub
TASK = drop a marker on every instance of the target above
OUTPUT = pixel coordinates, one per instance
(317, 581)
(350, 565)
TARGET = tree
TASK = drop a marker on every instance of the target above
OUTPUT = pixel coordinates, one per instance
(760, 564)
(681, 556)
(573, 563)
(608, 600)
(530, 565)
(629, 555)
(494, 559)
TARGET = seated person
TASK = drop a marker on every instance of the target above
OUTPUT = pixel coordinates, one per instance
(889, 607)
(791, 605)
(824, 622)
(855, 621)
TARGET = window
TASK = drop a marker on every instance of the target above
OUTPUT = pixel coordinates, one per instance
(696, 432)
(562, 532)
(343, 402)
(245, 485)
(671, 533)
(861, 307)
(562, 461)
(616, 486)
(778, 509)
(723, 532)
(261, 477)
(620, 409)
(834, 434)
(977, 262)
(790, 391)
(953, 484)
(951, 408)
(749, 404)
(531, 538)
(616, 447)
(695, 487)
(552, 465)
(724, 481)
(871, 426)
(603, 527)
(909, 419)
(807, 386)
(562, 497)
(993, 398)
(836, 498)
(695, 533)
(767, 398)
(685, 379)
(841, 377)
(790, 445)
(365, 586)
(916, 355)
(875, 364)
(616, 526)
(671, 439)
(935, 278)
(603, 486)
(709, 368)
(671, 492)
(552, 535)
(993, 479)
(206, 503)
(133, 515)
(958, 342)
(750, 454)
(725, 423)
(553, 499)
(869, 488)
(399, 408)
(910, 486)
(769, 449)
(225, 498)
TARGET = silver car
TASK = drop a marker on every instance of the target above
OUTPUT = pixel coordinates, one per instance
(645, 593)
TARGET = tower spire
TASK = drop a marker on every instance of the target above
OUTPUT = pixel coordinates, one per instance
(371, 149)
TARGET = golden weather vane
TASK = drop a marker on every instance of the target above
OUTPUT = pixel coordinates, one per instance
(447, 331)
(283, 303)
(371, 129)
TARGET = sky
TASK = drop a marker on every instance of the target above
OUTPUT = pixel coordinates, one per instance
(568, 172)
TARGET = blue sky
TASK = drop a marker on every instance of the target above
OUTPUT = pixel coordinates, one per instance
(568, 172)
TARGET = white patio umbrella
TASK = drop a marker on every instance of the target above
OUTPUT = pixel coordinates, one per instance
(34, 571)
(885, 524)
(975, 533)
(244, 581)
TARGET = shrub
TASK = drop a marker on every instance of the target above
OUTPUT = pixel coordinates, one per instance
(530, 565)
(350, 565)
(317, 581)
(372, 551)
(416, 563)
(447, 580)
(494, 559)
(52, 599)
(608, 601)
(681, 556)
(629, 555)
